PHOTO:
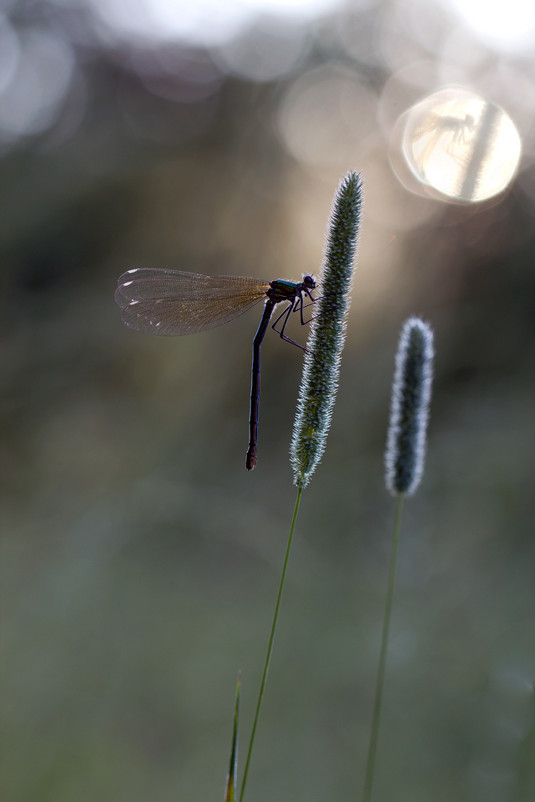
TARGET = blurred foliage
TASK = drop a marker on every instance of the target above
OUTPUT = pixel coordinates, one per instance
(139, 561)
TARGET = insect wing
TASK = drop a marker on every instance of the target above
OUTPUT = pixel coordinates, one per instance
(171, 302)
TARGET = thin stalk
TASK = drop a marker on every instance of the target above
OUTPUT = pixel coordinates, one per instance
(374, 732)
(270, 642)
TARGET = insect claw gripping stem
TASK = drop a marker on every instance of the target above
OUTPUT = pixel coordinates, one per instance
(279, 291)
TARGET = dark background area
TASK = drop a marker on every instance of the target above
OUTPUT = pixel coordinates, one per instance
(139, 560)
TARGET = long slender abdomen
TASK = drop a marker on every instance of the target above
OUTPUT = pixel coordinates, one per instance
(250, 460)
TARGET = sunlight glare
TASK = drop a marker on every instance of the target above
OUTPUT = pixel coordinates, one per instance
(508, 26)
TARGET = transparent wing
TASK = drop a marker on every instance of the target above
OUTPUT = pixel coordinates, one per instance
(170, 302)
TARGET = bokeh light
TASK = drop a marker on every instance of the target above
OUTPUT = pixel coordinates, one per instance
(326, 117)
(36, 69)
(507, 26)
(208, 22)
(267, 50)
(458, 145)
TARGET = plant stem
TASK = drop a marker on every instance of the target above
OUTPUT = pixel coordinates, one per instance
(372, 749)
(270, 642)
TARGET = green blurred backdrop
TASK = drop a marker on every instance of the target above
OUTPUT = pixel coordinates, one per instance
(139, 560)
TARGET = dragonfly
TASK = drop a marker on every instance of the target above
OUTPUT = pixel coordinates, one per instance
(171, 302)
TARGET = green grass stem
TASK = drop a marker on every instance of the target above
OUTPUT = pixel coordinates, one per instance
(270, 643)
(376, 717)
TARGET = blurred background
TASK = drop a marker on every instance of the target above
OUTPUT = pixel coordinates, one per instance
(139, 560)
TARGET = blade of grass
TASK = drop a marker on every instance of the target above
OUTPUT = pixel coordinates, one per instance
(376, 717)
(270, 643)
(232, 776)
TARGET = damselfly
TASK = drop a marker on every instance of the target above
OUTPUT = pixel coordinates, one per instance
(170, 302)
